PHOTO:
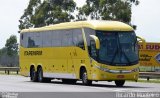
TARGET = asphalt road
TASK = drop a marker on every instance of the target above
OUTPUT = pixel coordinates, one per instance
(13, 83)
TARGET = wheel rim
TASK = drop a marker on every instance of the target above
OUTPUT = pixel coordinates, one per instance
(85, 78)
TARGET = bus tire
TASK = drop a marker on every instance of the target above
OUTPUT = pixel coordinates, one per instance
(33, 75)
(84, 78)
(40, 74)
(119, 83)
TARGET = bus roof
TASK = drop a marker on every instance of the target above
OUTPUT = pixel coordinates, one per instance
(94, 24)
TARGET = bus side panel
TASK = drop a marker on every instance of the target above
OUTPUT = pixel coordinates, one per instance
(79, 58)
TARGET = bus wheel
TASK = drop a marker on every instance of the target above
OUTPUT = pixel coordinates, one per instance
(84, 78)
(69, 81)
(40, 75)
(33, 75)
(119, 83)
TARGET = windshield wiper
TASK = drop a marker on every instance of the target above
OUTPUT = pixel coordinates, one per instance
(116, 52)
(114, 56)
(129, 62)
(119, 49)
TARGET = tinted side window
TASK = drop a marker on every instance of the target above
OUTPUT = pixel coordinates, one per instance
(38, 39)
(78, 38)
(47, 39)
(30, 39)
(67, 38)
(56, 38)
(23, 39)
(34, 40)
(88, 32)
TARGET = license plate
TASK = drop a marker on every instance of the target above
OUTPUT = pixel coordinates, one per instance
(120, 76)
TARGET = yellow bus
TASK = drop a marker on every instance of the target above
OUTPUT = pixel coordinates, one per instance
(83, 50)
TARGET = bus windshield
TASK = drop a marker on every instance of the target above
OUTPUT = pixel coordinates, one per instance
(118, 48)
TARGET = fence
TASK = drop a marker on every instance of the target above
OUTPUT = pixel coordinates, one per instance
(10, 69)
(149, 75)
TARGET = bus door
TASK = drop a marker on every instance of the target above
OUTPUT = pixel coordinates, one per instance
(76, 52)
(67, 43)
(71, 62)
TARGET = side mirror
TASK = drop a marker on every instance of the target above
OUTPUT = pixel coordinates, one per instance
(142, 41)
(97, 42)
(94, 47)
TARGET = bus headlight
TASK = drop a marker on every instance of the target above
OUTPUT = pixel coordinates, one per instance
(117, 71)
(101, 68)
(107, 70)
(114, 71)
(135, 70)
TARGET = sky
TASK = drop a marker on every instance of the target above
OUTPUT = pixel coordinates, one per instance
(145, 16)
(10, 13)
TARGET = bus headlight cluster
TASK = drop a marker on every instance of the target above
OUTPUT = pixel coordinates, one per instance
(116, 71)
(107, 70)
(135, 70)
(101, 68)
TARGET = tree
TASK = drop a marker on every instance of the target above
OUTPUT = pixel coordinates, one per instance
(48, 12)
(7, 60)
(107, 10)
(12, 46)
(54, 11)
(25, 20)
(9, 54)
